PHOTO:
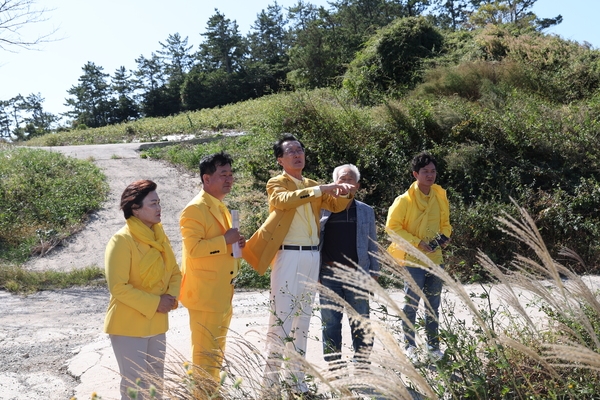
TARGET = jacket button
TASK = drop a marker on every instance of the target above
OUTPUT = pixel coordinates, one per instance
(231, 272)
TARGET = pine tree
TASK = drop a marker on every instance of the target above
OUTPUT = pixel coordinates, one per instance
(91, 98)
(123, 89)
(224, 47)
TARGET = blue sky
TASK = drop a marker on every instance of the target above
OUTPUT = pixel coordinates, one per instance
(112, 33)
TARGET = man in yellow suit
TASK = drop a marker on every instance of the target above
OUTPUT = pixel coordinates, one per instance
(208, 264)
(289, 241)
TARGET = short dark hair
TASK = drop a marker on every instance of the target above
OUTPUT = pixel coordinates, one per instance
(278, 145)
(134, 195)
(209, 163)
(421, 160)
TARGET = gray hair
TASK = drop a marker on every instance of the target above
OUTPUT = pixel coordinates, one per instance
(351, 167)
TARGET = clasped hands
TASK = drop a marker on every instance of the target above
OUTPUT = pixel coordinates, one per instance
(167, 303)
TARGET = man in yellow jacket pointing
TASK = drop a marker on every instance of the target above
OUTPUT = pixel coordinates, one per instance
(289, 241)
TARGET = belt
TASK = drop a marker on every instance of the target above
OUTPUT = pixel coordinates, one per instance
(305, 248)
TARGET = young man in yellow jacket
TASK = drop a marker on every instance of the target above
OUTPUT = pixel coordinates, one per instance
(208, 264)
(421, 216)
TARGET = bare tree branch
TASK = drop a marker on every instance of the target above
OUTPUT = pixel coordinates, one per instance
(16, 15)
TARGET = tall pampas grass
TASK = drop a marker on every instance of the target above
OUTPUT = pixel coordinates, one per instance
(531, 333)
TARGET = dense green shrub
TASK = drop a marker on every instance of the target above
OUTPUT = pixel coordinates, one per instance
(571, 219)
(500, 60)
(472, 80)
(522, 148)
(44, 197)
(392, 59)
(556, 69)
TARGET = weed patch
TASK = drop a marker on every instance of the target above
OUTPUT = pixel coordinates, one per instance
(44, 197)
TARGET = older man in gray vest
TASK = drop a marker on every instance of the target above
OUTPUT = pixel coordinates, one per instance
(349, 238)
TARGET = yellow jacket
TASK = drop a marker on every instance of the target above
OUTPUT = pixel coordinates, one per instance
(404, 219)
(132, 308)
(284, 198)
(207, 262)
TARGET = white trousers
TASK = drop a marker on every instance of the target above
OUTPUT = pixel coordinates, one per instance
(291, 308)
(139, 358)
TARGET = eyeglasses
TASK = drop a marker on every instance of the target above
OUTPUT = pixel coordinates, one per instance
(293, 152)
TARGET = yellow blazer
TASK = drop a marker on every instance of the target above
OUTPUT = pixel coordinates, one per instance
(207, 262)
(284, 198)
(132, 308)
(403, 219)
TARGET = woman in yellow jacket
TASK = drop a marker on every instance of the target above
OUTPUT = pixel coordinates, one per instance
(144, 280)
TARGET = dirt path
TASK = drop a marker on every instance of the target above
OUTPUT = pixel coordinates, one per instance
(41, 332)
(122, 165)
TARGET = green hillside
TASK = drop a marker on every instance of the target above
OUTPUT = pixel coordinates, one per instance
(510, 116)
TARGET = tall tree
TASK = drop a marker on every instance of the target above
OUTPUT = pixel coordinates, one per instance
(123, 88)
(177, 61)
(268, 43)
(224, 48)
(312, 59)
(4, 119)
(176, 56)
(91, 98)
(37, 121)
(517, 12)
(22, 118)
(452, 14)
(152, 80)
(415, 8)
(15, 112)
(352, 22)
(150, 73)
(302, 15)
(326, 40)
(268, 39)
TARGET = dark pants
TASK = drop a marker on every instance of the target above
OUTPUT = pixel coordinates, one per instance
(431, 286)
(332, 319)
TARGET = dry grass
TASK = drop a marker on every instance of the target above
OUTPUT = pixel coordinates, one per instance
(502, 347)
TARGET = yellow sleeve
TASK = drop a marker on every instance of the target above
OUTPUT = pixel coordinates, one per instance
(195, 225)
(335, 204)
(395, 220)
(175, 281)
(445, 226)
(281, 198)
